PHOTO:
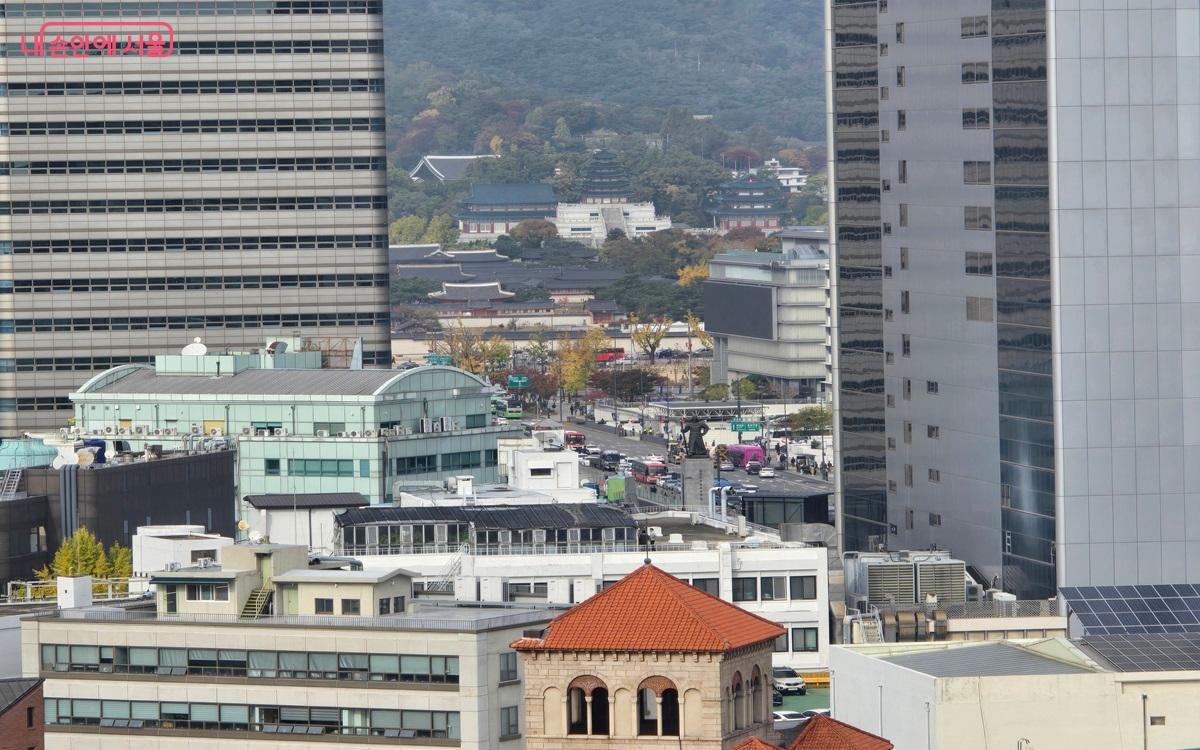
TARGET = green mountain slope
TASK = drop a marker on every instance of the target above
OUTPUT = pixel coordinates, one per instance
(746, 62)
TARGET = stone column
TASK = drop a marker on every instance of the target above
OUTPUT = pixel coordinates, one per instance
(612, 716)
(587, 713)
(658, 707)
(566, 716)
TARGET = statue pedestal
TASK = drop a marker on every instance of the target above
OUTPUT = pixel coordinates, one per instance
(697, 480)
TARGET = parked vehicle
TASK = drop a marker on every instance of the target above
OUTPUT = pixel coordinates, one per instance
(726, 466)
(776, 698)
(766, 472)
(785, 720)
(591, 449)
(788, 682)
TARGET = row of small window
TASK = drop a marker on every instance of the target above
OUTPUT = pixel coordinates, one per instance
(177, 205)
(184, 88)
(172, 166)
(274, 720)
(318, 467)
(35, 403)
(135, 8)
(974, 173)
(973, 72)
(774, 588)
(184, 322)
(173, 283)
(172, 127)
(68, 364)
(408, 465)
(935, 519)
(197, 244)
(245, 47)
(804, 640)
(933, 475)
(269, 665)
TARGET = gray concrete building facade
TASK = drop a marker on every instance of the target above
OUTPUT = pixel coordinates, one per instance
(1016, 209)
(209, 168)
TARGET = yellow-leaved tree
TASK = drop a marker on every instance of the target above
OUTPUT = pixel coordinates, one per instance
(648, 335)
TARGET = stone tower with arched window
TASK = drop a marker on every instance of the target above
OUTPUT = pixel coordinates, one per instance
(650, 661)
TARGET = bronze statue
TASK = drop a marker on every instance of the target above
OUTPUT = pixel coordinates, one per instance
(695, 430)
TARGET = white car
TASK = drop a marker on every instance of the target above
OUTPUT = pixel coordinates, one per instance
(788, 681)
(766, 472)
(785, 720)
(591, 449)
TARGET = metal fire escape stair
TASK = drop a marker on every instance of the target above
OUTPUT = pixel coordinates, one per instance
(256, 605)
(10, 484)
(445, 581)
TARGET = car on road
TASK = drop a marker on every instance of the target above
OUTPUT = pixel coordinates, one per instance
(722, 483)
(499, 420)
(785, 720)
(788, 682)
(776, 698)
(744, 489)
(766, 472)
(592, 449)
(753, 467)
(726, 466)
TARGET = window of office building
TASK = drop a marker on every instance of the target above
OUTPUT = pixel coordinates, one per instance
(508, 666)
(976, 72)
(509, 725)
(707, 585)
(976, 118)
(931, 386)
(351, 607)
(803, 587)
(323, 606)
(935, 519)
(772, 588)
(980, 309)
(416, 464)
(804, 639)
(977, 173)
(208, 592)
(933, 432)
(745, 589)
(979, 263)
(908, 475)
(935, 476)
(977, 217)
(974, 26)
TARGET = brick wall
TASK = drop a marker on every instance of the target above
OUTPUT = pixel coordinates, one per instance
(15, 732)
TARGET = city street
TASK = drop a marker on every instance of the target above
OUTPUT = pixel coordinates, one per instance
(786, 482)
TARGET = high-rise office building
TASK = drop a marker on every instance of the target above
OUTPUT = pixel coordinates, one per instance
(209, 168)
(1017, 246)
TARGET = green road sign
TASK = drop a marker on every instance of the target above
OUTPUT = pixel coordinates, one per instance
(745, 426)
(518, 381)
(437, 359)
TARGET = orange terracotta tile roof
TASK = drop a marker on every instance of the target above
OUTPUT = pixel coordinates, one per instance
(824, 733)
(650, 610)
(754, 743)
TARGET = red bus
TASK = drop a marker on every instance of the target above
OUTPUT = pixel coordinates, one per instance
(740, 454)
(574, 439)
(610, 355)
(647, 471)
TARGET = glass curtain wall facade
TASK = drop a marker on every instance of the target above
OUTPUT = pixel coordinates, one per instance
(223, 180)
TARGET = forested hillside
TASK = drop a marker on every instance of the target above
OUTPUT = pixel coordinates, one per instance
(455, 65)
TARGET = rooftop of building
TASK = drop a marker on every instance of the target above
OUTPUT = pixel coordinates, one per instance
(488, 194)
(308, 500)
(556, 516)
(371, 577)
(13, 689)
(804, 256)
(1050, 656)
(448, 167)
(825, 733)
(480, 292)
(818, 233)
(650, 610)
(421, 616)
(422, 253)
(146, 380)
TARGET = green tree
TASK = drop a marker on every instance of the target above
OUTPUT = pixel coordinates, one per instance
(441, 231)
(539, 350)
(533, 232)
(715, 392)
(562, 132)
(407, 230)
(411, 290)
(626, 385)
(817, 420)
(744, 388)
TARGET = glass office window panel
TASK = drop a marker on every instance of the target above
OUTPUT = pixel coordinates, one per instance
(204, 712)
(856, 67)
(1018, 17)
(172, 657)
(50, 708)
(1019, 105)
(855, 25)
(322, 665)
(384, 719)
(88, 709)
(114, 709)
(235, 714)
(292, 662)
(1023, 301)
(856, 109)
(1021, 156)
(85, 654)
(1019, 58)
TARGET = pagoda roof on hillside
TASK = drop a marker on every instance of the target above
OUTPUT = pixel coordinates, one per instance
(470, 292)
(604, 177)
(445, 168)
(651, 610)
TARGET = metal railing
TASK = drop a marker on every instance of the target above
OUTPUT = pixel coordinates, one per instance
(475, 623)
(990, 608)
(103, 590)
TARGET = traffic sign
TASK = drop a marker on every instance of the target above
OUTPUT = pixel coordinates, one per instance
(437, 359)
(745, 426)
(518, 381)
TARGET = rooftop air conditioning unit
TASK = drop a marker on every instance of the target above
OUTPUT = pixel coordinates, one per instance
(204, 562)
(108, 430)
(216, 432)
(195, 430)
(369, 433)
(343, 434)
(247, 430)
(280, 432)
(262, 433)
(354, 433)
(426, 424)
(122, 431)
(324, 433)
(139, 430)
(436, 425)
(173, 566)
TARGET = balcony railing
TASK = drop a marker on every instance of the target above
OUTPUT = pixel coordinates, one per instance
(991, 608)
(556, 549)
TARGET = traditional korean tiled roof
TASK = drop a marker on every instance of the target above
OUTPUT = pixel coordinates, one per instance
(650, 610)
(824, 733)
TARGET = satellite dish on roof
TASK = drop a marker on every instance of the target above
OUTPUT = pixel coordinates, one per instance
(196, 348)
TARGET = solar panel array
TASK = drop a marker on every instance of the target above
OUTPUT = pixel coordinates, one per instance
(1149, 652)
(1135, 610)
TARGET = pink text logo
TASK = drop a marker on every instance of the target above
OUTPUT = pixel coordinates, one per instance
(101, 38)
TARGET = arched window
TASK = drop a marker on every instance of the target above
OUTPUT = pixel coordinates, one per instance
(739, 701)
(587, 706)
(756, 696)
(658, 707)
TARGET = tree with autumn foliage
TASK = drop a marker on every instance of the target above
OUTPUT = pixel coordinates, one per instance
(575, 360)
(82, 554)
(648, 335)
